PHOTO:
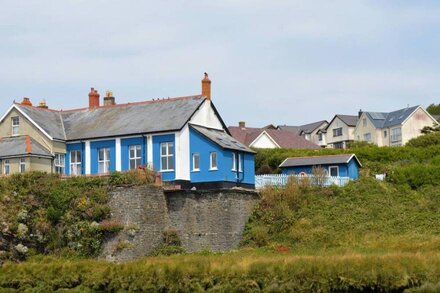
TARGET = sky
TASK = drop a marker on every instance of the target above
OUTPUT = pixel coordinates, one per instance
(280, 61)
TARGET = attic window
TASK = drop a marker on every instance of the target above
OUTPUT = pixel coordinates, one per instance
(15, 125)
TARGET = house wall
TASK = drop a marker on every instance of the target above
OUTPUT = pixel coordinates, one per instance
(94, 148)
(360, 130)
(411, 127)
(203, 146)
(206, 116)
(314, 135)
(264, 142)
(347, 132)
(39, 164)
(157, 140)
(26, 128)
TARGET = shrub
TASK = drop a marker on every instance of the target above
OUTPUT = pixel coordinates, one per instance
(425, 140)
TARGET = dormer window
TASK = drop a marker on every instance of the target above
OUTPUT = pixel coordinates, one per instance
(15, 125)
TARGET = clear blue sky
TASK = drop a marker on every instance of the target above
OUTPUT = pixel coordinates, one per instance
(280, 62)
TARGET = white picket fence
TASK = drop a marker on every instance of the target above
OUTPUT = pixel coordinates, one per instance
(262, 181)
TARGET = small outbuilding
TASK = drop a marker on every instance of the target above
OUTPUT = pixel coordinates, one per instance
(346, 165)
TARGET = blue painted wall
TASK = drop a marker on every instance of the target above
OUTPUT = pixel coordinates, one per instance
(125, 151)
(203, 146)
(157, 140)
(94, 146)
(345, 170)
(74, 147)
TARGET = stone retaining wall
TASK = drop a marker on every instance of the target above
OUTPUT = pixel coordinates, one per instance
(204, 220)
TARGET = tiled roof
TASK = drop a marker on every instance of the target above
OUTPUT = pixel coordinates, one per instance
(318, 160)
(221, 138)
(21, 146)
(121, 119)
(285, 139)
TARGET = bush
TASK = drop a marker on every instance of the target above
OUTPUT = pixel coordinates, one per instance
(425, 140)
(416, 175)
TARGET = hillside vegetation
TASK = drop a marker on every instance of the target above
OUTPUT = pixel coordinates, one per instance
(42, 214)
(368, 236)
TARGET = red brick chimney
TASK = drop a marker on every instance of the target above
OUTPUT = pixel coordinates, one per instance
(93, 98)
(26, 102)
(242, 124)
(206, 86)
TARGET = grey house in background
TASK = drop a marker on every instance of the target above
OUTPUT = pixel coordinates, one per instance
(339, 132)
(308, 131)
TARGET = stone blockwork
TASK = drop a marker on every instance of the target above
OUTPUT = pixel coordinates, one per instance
(205, 220)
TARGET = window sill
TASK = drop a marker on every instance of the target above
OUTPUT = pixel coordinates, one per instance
(165, 171)
(213, 169)
(196, 170)
(235, 171)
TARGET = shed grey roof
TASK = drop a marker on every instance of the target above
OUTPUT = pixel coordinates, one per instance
(384, 120)
(221, 138)
(290, 128)
(18, 146)
(318, 160)
(121, 119)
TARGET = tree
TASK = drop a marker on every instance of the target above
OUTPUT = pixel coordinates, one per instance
(433, 109)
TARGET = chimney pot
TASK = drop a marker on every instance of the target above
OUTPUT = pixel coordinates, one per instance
(360, 113)
(109, 99)
(26, 102)
(206, 87)
(43, 104)
(242, 124)
(93, 98)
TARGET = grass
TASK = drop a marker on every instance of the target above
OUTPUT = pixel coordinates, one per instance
(231, 272)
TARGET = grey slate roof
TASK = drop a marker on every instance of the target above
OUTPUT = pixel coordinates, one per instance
(318, 160)
(221, 138)
(307, 128)
(122, 119)
(49, 120)
(383, 120)
(350, 120)
(16, 146)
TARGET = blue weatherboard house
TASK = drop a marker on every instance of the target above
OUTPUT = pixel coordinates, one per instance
(183, 138)
(346, 165)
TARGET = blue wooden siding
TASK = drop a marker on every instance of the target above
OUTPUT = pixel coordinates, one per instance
(157, 140)
(95, 146)
(125, 151)
(203, 146)
(74, 147)
(351, 169)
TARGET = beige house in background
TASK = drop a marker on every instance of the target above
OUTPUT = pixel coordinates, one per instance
(394, 128)
(339, 132)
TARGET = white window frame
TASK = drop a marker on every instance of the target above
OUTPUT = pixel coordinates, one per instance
(137, 158)
(75, 165)
(385, 133)
(15, 127)
(330, 171)
(104, 161)
(22, 165)
(60, 163)
(213, 159)
(6, 167)
(240, 165)
(194, 155)
(394, 136)
(234, 162)
(169, 156)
